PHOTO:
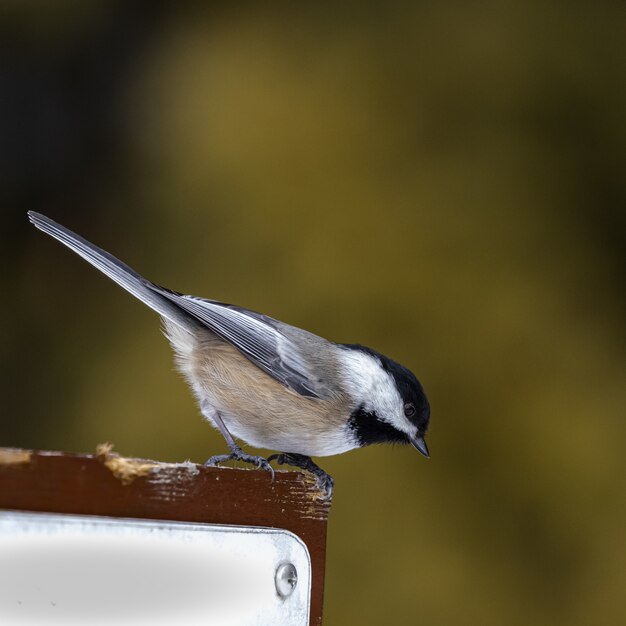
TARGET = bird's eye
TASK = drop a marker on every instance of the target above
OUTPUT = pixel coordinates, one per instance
(409, 410)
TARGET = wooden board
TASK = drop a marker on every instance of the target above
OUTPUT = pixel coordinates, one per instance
(107, 484)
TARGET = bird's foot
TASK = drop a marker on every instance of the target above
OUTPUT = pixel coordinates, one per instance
(324, 481)
(239, 455)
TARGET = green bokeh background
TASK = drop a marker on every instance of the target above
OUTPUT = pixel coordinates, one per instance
(441, 181)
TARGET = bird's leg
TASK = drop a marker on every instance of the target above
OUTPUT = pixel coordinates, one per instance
(236, 453)
(324, 481)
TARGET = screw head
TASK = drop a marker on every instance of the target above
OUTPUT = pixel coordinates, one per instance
(286, 579)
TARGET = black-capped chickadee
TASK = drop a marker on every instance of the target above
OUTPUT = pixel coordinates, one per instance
(271, 384)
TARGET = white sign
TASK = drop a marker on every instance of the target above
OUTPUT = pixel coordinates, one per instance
(83, 570)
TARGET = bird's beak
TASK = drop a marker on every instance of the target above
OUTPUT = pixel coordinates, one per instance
(419, 444)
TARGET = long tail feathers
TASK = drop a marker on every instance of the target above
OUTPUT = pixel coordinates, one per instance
(117, 271)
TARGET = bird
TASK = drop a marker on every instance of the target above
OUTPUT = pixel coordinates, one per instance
(270, 384)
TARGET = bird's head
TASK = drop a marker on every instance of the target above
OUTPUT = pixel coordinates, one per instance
(391, 405)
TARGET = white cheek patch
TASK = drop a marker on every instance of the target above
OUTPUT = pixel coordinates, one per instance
(368, 383)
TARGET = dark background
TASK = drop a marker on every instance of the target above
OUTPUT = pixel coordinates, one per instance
(441, 181)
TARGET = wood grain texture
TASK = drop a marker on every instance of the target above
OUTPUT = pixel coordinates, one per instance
(107, 484)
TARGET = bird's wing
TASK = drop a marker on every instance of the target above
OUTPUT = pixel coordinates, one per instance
(257, 337)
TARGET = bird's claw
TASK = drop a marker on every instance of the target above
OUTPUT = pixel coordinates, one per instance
(258, 461)
(325, 483)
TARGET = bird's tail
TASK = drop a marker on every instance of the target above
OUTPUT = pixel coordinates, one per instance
(117, 271)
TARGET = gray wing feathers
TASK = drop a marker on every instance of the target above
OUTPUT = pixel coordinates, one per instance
(256, 336)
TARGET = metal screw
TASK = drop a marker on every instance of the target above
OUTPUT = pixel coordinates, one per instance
(286, 579)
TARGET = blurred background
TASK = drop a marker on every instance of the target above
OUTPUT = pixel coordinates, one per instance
(441, 181)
